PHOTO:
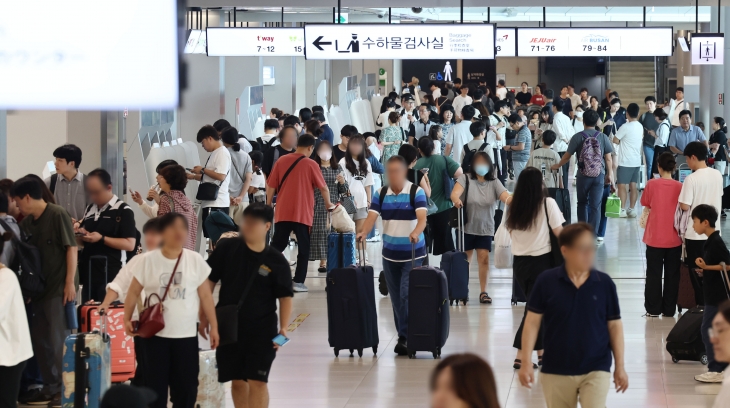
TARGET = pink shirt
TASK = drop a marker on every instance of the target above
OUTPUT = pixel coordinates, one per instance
(661, 195)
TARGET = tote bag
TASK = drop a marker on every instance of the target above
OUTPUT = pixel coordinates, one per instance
(502, 248)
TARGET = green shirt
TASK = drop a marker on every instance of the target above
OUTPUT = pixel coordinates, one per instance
(51, 233)
(436, 164)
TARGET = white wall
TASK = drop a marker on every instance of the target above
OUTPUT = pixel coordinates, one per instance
(279, 95)
(518, 70)
(84, 130)
(32, 136)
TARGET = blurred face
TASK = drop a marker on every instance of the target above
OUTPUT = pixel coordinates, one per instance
(685, 121)
(423, 112)
(24, 204)
(650, 106)
(581, 255)
(324, 152)
(538, 90)
(615, 107)
(396, 173)
(535, 117)
(715, 126)
(355, 149)
(571, 90)
(545, 117)
(448, 116)
(720, 338)
(254, 229)
(289, 139)
(679, 95)
(164, 186)
(563, 91)
(409, 104)
(152, 240)
(207, 144)
(584, 94)
(98, 192)
(175, 235)
(524, 87)
(62, 166)
(443, 394)
(594, 103)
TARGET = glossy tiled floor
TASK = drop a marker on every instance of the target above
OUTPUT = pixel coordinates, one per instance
(307, 374)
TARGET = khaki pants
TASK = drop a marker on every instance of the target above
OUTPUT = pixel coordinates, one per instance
(563, 391)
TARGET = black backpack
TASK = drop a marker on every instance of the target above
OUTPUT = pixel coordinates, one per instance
(264, 146)
(414, 189)
(27, 264)
(469, 155)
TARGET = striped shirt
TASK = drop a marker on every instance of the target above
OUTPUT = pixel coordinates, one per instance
(399, 220)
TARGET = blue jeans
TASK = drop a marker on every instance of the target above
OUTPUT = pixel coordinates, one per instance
(589, 191)
(518, 166)
(649, 155)
(603, 219)
(397, 276)
(712, 364)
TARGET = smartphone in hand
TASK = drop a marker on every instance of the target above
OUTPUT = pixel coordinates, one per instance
(280, 340)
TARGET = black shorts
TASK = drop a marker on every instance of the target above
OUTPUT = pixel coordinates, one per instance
(248, 359)
(477, 242)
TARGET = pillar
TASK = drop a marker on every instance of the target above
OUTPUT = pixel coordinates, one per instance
(112, 148)
(726, 65)
(397, 75)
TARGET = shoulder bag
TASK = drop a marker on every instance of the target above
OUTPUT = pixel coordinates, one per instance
(347, 200)
(227, 316)
(431, 207)
(151, 319)
(207, 190)
(556, 255)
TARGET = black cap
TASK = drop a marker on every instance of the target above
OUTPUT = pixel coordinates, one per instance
(408, 97)
(125, 396)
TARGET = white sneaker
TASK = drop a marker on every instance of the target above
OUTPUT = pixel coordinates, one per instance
(709, 377)
(374, 239)
(599, 239)
(631, 213)
(599, 242)
(299, 287)
(622, 214)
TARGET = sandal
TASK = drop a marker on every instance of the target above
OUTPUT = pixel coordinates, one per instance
(322, 269)
(484, 298)
(539, 361)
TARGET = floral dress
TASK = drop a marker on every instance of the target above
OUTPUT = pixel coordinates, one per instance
(318, 240)
(390, 134)
(445, 127)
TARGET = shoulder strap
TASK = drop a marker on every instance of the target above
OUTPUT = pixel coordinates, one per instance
(481, 148)
(249, 284)
(381, 196)
(283, 179)
(466, 189)
(414, 189)
(172, 277)
(54, 179)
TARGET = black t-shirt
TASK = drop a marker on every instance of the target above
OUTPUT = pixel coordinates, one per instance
(713, 282)
(232, 263)
(523, 98)
(112, 223)
(418, 175)
(339, 154)
(271, 156)
(720, 138)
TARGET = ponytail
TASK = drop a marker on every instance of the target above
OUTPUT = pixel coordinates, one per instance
(230, 136)
(721, 122)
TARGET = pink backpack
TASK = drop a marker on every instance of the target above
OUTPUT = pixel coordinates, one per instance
(590, 158)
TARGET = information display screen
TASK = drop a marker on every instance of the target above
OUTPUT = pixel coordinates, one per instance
(399, 41)
(70, 57)
(255, 42)
(598, 42)
(506, 42)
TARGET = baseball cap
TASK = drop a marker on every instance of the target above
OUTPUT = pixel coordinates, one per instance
(126, 396)
(407, 97)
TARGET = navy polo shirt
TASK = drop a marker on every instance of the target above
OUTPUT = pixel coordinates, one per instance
(575, 321)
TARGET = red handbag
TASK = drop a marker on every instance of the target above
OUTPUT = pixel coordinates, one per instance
(151, 319)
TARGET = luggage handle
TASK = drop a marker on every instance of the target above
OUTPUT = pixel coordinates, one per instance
(727, 279)
(360, 251)
(460, 217)
(106, 272)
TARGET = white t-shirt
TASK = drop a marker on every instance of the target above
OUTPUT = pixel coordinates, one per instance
(564, 131)
(14, 333)
(182, 303)
(501, 93)
(536, 240)
(631, 135)
(123, 281)
(494, 120)
(245, 145)
(219, 162)
(458, 136)
(259, 181)
(383, 120)
(357, 187)
(703, 186)
(460, 102)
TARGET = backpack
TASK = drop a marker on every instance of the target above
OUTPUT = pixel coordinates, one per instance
(27, 264)
(218, 223)
(414, 188)
(469, 155)
(54, 180)
(120, 206)
(264, 146)
(590, 162)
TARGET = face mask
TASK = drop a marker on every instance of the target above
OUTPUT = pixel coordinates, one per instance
(326, 155)
(481, 169)
(579, 114)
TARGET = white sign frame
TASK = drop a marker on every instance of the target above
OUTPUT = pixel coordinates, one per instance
(243, 42)
(593, 41)
(714, 46)
(322, 41)
(506, 46)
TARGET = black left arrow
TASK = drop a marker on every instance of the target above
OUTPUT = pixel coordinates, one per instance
(317, 43)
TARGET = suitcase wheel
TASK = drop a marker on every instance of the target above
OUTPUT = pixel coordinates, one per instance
(703, 359)
(464, 301)
(514, 303)
(352, 351)
(675, 360)
(359, 352)
(411, 354)
(375, 351)
(337, 352)
(451, 302)
(435, 354)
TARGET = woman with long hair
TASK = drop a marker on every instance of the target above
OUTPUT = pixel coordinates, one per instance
(358, 174)
(661, 137)
(336, 184)
(485, 193)
(483, 111)
(546, 123)
(313, 128)
(172, 181)
(240, 174)
(463, 381)
(537, 97)
(436, 134)
(447, 120)
(391, 137)
(387, 107)
(718, 145)
(531, 215)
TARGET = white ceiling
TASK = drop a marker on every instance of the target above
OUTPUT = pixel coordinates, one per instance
(439, 3)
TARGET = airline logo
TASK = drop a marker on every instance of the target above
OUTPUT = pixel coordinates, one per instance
(542, 40)
(594, 38)
(503, 38)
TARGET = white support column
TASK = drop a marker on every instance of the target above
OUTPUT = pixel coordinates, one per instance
(397, 75)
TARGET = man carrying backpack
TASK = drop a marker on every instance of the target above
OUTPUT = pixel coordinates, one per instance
(593, 151)
(478, 144)
(269, 139)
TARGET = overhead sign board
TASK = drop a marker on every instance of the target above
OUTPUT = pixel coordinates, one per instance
(255, 42)
(506, 42)
(399, 41)
(708, 49)
(599, 42)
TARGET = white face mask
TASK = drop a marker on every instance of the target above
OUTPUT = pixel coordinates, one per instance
(325, 155)
(579, 114)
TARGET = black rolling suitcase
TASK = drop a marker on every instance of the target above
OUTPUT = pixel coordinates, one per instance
(352, 319)
(518, 295)
(684, 341)
(428, 310)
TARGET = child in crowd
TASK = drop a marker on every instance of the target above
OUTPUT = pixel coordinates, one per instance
(544, 158)
(257, 188)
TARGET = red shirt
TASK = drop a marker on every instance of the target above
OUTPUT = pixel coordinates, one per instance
(537, 100)
(295, 199)
(661, 195)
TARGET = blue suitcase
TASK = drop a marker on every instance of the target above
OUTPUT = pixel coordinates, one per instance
(86, 368)
(428, 313)
(455, 265)
(340, 250)
(352, 321)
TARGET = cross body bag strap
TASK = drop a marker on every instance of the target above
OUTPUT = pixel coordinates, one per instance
(283, 179)
(172, 277)
(213, 182)
(248, 286)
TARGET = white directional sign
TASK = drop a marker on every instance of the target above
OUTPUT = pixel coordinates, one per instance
(254, 42)
(708, 49)
(399, 41)
(506, 42)
(599, 42)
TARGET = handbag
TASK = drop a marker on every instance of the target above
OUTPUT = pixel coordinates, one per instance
(208, 191)
(151, 319)
(431, 207)
(556, 255)
(448, 182)
(227, 317)
(348, 201)
(454, 212)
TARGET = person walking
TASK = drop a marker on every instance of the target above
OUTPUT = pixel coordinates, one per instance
(531, 215)
(718, 146)
(331, 172)
(447, 120)
(650, 124)
(578, 309)
(663, 244)
(358, 174)
(459, 134)
(564, 131)
(402, 223)
(172, 199)
(661, 138)
(240, 176)
(683, 135)
(629, 139)
(392, 136)
(478, 194)
(520, 147)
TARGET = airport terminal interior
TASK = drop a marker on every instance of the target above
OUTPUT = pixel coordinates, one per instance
(133, 85)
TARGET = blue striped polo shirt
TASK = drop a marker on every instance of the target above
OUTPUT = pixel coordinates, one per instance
(399, 220)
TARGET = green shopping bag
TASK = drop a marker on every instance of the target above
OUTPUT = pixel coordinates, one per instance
(613, 206)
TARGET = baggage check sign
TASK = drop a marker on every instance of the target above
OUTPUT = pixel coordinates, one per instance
(594, 42)
(399, 41)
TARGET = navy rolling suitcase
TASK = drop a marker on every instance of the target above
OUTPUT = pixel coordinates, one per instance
(455, 265)
(352, 319)
(428, 314)
(340, 250)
